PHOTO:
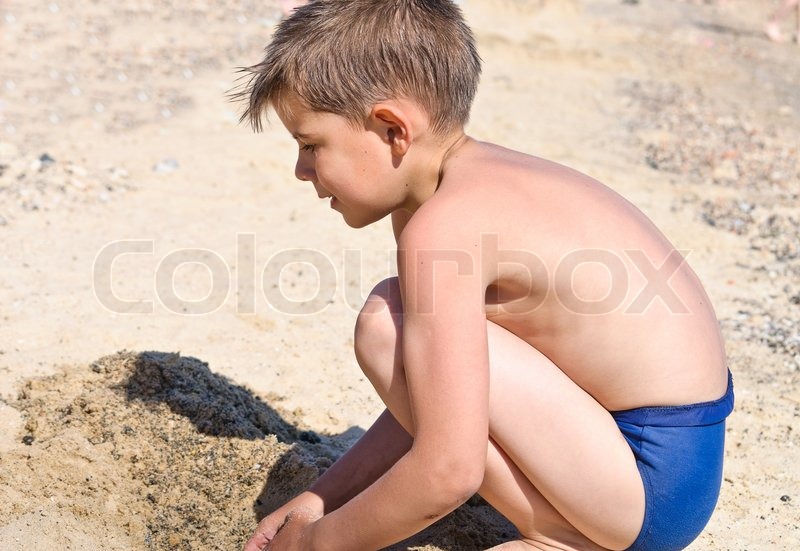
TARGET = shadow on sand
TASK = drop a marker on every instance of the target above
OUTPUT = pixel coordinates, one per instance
(219, 408)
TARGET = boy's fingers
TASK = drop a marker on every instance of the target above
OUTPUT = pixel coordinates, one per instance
(266, 532)
(260, 539)
(257, 542)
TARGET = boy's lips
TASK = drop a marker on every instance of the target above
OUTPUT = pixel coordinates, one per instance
(332, 198)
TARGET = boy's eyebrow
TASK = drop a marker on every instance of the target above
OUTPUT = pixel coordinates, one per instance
(300, 135)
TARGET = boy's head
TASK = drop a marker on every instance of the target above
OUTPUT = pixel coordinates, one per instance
(344, 56)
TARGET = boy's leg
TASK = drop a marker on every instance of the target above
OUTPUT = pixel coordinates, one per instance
(557, 448)
(557, 465)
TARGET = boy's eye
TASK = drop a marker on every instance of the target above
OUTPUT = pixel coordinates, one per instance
(307, 147)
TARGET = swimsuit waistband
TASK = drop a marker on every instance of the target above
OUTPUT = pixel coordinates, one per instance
(691, 415)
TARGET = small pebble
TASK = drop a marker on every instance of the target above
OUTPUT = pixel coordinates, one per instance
(166, 165)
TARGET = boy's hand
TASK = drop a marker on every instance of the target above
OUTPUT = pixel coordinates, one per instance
(264, 533)
(293, 535)
(275, 534)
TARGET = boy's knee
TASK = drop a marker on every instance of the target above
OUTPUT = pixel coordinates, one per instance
(379, 323)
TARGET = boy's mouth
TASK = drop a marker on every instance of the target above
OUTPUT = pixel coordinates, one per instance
(332, 198)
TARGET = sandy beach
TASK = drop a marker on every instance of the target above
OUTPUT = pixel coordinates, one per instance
(176, 310)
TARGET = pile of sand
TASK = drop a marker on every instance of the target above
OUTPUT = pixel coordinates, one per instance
(155, 451)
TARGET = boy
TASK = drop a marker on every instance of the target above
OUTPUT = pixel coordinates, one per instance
(542, 345)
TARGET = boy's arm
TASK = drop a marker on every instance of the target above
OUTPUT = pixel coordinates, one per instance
(377, 450)
(445, 355)
(374, 453)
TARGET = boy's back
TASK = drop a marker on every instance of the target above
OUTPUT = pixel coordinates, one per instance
(583, 276)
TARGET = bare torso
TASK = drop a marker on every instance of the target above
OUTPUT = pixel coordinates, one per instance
(579, 273)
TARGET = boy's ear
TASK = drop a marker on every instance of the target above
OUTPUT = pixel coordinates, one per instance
(394, 126)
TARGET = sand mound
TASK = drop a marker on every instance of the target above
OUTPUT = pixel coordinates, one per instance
(151, 450)
(154, 451)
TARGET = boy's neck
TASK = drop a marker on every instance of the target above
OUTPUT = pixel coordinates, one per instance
(435, 164)
(456, 143)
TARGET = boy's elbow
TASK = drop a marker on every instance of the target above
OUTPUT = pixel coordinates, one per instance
(457, 481)
(448, 474)
(471, 478)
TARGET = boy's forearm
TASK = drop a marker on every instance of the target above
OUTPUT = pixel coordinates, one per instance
(407, 499)
(369, 458)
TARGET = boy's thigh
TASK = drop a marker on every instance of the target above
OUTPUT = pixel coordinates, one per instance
(564, 442)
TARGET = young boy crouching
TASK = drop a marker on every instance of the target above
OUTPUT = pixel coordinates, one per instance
(543, 344)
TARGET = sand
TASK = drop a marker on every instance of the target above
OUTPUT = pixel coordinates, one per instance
(177, 426)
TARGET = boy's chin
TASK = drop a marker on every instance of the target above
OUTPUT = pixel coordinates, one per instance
(358, 222)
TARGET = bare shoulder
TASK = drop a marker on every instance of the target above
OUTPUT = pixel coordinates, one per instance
(545, 198)
(483, 188)
(497, 179)
(530, 204)
(442, 221)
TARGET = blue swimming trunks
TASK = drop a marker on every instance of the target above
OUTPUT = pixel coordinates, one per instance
(679, 452)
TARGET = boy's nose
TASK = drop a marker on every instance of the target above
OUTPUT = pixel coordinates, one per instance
(303, 171)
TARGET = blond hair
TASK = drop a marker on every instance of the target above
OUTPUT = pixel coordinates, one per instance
(344, 56)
